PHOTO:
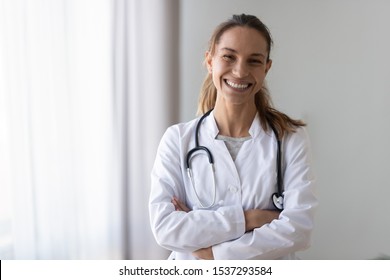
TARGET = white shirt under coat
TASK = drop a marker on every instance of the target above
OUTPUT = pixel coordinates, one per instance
(243, 184)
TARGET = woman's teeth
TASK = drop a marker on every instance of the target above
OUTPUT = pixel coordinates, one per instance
(237, 86)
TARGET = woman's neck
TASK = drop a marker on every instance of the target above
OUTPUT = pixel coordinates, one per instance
(234, 121)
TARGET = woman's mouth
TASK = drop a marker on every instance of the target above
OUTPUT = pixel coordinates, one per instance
(237, 86)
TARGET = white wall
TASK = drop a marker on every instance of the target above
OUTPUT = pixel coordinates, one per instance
(331, 68)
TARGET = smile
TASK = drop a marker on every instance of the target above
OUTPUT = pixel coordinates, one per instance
(237, 86)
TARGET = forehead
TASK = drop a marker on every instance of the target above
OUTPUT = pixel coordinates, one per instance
(243, 39)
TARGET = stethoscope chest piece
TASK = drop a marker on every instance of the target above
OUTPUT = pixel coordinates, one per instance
(277, 201)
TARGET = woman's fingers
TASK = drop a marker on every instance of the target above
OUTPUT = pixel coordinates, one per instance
(179, 206)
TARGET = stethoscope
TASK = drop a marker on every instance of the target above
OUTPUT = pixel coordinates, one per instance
(277, 197)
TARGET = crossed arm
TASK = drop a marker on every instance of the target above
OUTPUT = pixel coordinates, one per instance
(254, 218)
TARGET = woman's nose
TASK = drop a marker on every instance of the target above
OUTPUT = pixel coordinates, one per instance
(240, 70)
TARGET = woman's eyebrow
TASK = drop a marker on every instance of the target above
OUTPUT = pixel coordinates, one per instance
(234, 51)
(228, 49)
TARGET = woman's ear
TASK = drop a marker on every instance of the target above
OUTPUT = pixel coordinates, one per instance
(209, 62)
(268, 66)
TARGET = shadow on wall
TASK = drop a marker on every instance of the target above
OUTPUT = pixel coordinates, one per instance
(383, 257)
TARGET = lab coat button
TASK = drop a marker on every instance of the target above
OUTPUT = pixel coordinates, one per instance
(233, 189)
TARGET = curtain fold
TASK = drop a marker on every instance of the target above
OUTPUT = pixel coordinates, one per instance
(146, 63)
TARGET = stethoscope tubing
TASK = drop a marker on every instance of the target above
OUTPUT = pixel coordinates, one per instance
(277, 197)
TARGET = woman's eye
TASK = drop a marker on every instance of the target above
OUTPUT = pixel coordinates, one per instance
(255, 61)
(228, 57)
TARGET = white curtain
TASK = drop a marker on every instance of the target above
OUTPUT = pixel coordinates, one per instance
(147, 76)
(85, 94)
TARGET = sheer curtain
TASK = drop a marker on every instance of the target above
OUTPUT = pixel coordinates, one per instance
(83, 103)
(147, 78)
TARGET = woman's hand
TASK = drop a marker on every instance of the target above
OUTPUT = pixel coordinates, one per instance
(204, 254)
(179, 206)
(255, 218)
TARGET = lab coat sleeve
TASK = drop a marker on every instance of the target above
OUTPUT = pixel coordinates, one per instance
(177, 230)
(291, 232)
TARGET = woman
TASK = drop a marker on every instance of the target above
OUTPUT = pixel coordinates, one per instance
(228, 211)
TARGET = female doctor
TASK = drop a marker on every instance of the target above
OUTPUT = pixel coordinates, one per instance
(214, 178)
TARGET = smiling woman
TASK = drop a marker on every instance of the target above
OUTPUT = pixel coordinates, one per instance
(238, 69)
(242, 47)
(242, 221)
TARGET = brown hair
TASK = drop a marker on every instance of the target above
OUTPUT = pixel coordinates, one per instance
(268, 115)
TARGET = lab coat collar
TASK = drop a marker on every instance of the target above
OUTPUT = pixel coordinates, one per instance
(211, 125)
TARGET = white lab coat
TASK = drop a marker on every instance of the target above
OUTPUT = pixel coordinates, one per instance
(247, 183)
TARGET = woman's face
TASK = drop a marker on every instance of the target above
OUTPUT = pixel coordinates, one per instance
(239, 65)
